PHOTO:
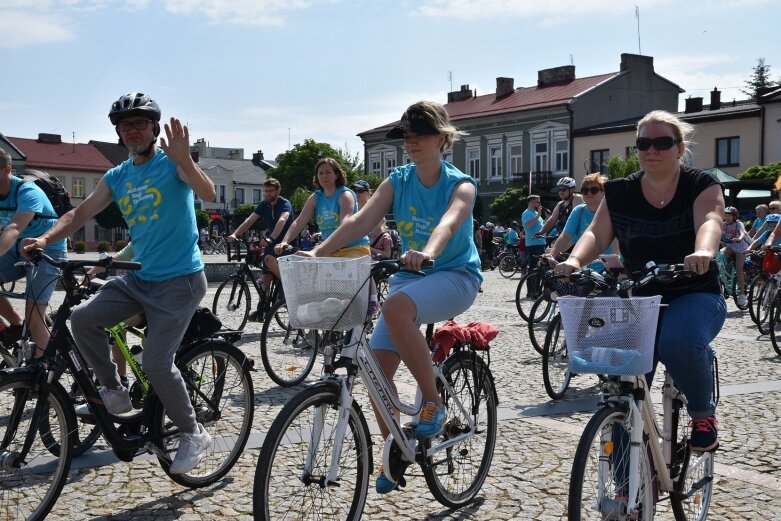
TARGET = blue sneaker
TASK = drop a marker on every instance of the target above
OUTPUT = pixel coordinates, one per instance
(383, 485)
(432, 421)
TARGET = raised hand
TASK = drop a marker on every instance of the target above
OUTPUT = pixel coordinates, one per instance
(176, 144)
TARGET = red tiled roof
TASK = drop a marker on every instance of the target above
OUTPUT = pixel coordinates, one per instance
(523, 98)
(66, 156)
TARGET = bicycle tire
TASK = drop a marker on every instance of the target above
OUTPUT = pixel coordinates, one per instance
(232, 303)
(508, 265)
(218, 380)
(754, 300)
(604, 445)
(689, 503)
(8, 287)
(537, 323)
(84, 436)
(767, 296)
(774, 322)
(528, 291)
(288, 354)
(456, 474)
(28, 491)
(285, 489)
(555, 362)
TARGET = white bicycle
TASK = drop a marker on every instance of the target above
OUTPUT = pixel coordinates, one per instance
(316, 460)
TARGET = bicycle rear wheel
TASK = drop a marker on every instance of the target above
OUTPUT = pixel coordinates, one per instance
(774, 325)
(767, 296)
(31, 484)
(691, 498)
(539, 319)
(528, 291)
(232, 303)
(456, 474)
(288, 354)
(291, 474)
(218, 380)
(754, 296)
(508, 265)
(599, 483)
(555, 362)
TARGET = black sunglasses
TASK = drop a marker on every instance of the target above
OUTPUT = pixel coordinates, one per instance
(593, 190)
(659, 143)
(141, 124)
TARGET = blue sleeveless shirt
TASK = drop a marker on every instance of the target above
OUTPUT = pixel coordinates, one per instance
(328, 213)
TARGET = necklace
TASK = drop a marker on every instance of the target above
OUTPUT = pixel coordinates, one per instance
(662, 196)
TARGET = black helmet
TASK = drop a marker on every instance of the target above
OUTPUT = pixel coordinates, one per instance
(134, 104)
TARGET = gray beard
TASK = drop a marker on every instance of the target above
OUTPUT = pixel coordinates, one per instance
(134, 151)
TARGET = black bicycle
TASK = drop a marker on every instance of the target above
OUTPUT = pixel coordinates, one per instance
(38, 422)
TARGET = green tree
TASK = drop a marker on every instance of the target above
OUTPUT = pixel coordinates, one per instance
(771, 171)
(510, 204)
(295, 168)
(618, 167)
(202, 218)
(760, 80)
(299, 197)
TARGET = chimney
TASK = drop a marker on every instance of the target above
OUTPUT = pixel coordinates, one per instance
(563, 74)
(504, 87)
(194, 154)
(693, 104)
(257, 157)
(715, 99)
(49, 138)
(459, 95)
(636, 61)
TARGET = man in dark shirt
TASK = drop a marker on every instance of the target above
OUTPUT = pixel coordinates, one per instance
(277, 215)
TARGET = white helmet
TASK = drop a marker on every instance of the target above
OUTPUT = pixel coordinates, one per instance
(566, 182)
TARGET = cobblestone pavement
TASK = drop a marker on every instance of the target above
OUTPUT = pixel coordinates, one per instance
(537, 439)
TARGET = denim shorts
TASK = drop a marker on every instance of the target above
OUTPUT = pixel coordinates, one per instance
(41, 279)
(437, 297)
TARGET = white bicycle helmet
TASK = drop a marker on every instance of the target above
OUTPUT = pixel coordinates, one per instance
(566, 182)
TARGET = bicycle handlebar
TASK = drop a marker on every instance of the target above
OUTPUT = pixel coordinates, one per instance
(391, 266)
(69, 266)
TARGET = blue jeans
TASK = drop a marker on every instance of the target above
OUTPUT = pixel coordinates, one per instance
(686, 328)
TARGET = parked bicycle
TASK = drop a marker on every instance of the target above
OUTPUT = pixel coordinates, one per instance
(625, 462)
(316, 459)
(37, 416)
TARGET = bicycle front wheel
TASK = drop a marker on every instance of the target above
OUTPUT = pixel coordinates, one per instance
(767, 295)
(690, 500)
(218, 380)
(232, 303)
(291, 478)
(599, 484)
(774, 325)
(528, 291)
(456, 474)
(555, 362)
(508, 265)
(288, 354)
(31, 482)
(754, 296)
(539, 320)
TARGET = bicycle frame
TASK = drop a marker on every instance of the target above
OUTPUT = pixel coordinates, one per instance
(360, 361)
(116, 333)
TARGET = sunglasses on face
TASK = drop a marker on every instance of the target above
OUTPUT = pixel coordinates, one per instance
(124, 126)
(593, 190)
(659, 143)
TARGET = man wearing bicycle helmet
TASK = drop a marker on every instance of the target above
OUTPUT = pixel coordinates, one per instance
(569, 200)
(154, 191)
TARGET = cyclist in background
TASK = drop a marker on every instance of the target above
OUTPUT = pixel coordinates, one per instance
(155, 191)
(569, 200)
(532, 222)
(669, 213)
(762, 211)
(432, 202)
(736, 242)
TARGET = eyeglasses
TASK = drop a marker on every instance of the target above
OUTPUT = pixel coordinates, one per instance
(659, 143)
(593, 190)
(141, 124)
(563, 189)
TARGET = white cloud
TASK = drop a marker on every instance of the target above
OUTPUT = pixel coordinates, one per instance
(239, 12)
(21, 29)
(546, 13)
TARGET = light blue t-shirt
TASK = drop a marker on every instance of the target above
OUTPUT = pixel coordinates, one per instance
(328, 213)
(29, 198)
(578, 221)
(159, 211)
(418, 209)
(757, 224)
(511, 237)
(531, 230)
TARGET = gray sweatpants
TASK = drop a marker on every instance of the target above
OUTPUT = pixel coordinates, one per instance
(169, 305)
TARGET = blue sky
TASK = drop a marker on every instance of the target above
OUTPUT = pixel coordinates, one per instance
(259, 74)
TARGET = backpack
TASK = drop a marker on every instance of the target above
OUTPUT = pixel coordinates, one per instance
(394, 235)
(53, 188)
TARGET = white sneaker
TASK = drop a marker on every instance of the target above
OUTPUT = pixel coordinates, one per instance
(742, 300)
(191, 448)
(117, 401)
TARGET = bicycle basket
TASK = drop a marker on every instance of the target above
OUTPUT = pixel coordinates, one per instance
(770, 263)
(610, 335)
(307, 280)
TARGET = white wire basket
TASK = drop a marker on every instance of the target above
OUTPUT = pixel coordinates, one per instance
(310, 284)
(610, 335)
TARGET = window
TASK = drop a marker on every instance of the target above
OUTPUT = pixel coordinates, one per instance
(598, 160)
(239, 196)
(473, 162)
(561, 148)
(728, 151)
(541, 157)
(516, 159)
(257, 195)
(78, 187)
(220, 193)
(390, 163)
(495, 156)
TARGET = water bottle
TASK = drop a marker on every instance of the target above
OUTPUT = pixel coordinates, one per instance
(137, 352)
(314, 312)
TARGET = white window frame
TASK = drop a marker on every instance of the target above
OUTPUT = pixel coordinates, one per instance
(495, 159)
(473, 161)
(389, 160)
(514, 161)
(236, 191)
(78, 187)
(221, 194)
(381, 157)
(257, 195)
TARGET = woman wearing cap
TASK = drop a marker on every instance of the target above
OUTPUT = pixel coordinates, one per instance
(669, 213)
(432, 202)
(736, 241)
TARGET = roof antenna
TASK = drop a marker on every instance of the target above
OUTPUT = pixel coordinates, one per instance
(450, 77)
(637, 15)
(74, 142)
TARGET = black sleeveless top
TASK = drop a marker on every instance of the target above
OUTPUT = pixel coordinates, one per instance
(564, 212)
(664, 235)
